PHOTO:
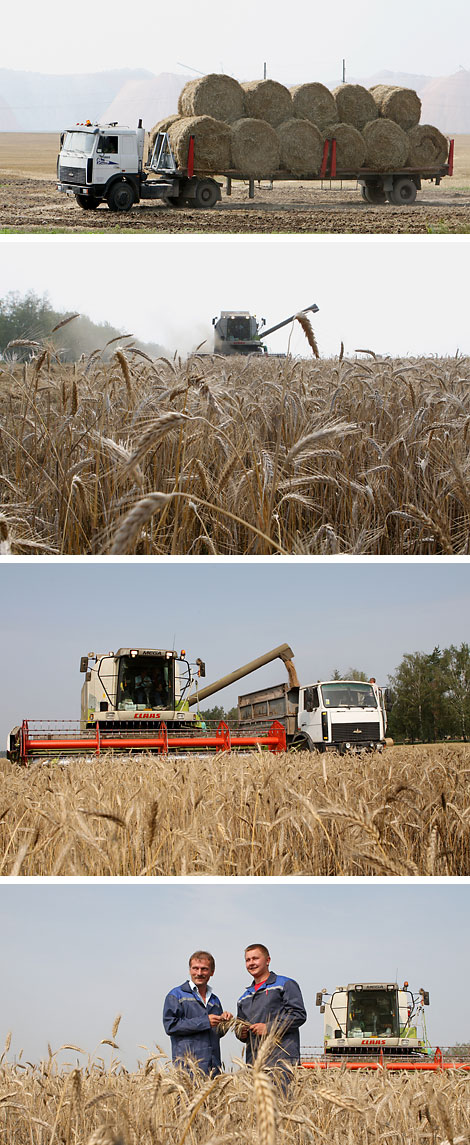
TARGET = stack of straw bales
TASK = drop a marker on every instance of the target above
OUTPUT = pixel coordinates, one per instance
(260, 127)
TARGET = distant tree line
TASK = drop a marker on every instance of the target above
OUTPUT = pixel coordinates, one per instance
(428, 696)
(31, 317)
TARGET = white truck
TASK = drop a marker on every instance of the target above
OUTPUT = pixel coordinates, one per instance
(105, 163)
(334, 715)
(365, 1019)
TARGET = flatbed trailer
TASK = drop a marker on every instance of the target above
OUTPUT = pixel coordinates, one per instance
(119, 178)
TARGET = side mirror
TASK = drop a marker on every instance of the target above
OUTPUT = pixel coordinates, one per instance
(84, 664)
(425, 997)
(319, 998)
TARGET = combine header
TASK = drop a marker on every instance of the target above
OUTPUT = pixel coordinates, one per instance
(377, 1025)
(140, 699)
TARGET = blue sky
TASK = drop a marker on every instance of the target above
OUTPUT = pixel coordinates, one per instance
(361, 614)
(73, 956)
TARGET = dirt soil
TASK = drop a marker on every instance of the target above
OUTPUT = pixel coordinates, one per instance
(29, 202)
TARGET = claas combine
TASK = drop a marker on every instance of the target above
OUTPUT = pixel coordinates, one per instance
(377, 1025)
(146, 699)
(239, 332)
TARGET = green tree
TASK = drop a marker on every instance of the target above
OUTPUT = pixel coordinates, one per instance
(351, 674)
(420, 709)
(217, 713)
(458, 687)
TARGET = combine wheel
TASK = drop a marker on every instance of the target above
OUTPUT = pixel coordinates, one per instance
(373, 193)
(207, 193)
(121, 197)
(404, 192)
(88, 202)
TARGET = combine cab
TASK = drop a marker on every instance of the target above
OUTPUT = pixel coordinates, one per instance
(141, 699)
(239, 332)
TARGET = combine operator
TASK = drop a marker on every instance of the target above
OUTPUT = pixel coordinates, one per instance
(272, 1000)
(191, 1015)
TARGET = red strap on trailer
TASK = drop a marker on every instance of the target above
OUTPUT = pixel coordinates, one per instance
(324, 162)
(333, 159)
(191, 157)
(450, 161)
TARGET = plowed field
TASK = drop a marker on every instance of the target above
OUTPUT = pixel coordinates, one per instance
(29, 202)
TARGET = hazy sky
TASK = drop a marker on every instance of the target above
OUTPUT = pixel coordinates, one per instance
(394, 296)
(360, 614)
(307, 43)
(74, 956)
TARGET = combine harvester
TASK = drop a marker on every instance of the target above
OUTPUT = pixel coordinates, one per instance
(239, 332)
(139, 699)
(377, 1025)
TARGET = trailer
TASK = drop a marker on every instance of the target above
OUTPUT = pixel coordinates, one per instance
(104, 163)
(330, 715)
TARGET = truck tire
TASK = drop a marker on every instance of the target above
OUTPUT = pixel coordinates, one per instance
(300, 743)
(206, 194)
(87, 202)
(121, 196)
(404, 192)
(373, 193)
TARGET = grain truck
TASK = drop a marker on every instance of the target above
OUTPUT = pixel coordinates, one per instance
(330, 715)
(104, 163)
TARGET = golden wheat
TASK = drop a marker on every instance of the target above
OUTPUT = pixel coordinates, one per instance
(163, 1105)
(405, 812)
(255, 456)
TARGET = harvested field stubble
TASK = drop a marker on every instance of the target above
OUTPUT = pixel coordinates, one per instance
(94, 1105)
(405, 812)
(239, 455)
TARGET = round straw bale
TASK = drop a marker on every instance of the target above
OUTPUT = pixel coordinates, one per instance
(401, 104)
(387, 145)
(315, 102)
(184, 98)
(211, 143)
(267, 99)
(301, 146)
(255, 148)
(350, 146)
(428, 147)
(355, 104)
(219, 96)
(163, 125)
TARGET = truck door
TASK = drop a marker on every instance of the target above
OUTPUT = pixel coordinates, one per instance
(107, 158)
(310, 713)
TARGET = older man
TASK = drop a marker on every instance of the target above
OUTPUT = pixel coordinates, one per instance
(192, 1014)
(270, 1000)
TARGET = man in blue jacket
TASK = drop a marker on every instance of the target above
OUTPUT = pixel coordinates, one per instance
(272, 999)
(192, 1014)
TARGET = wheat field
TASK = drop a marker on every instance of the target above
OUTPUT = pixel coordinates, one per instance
(403, 812)
(99, 1104)
(235, 456)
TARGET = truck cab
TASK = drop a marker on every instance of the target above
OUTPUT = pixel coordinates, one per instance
(367, 1018)
(101, 162)
(343, 713)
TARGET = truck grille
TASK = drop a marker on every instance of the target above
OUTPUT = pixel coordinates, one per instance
(355, 733)
(72, 174)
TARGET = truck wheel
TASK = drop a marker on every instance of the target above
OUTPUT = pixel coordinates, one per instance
(88, 202)
(299, 743)
(207, 193)
(373, 193)
(404, 192)
(121, 197)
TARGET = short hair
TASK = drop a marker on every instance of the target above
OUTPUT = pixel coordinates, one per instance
(258, 946)
(204, 954)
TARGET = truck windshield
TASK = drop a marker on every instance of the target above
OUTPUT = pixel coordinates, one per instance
(145, 682)
(80, 141)
(348, 694)
(372, 1013)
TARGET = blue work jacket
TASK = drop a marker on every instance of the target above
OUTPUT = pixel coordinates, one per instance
(278, 999)
(186, 1020)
